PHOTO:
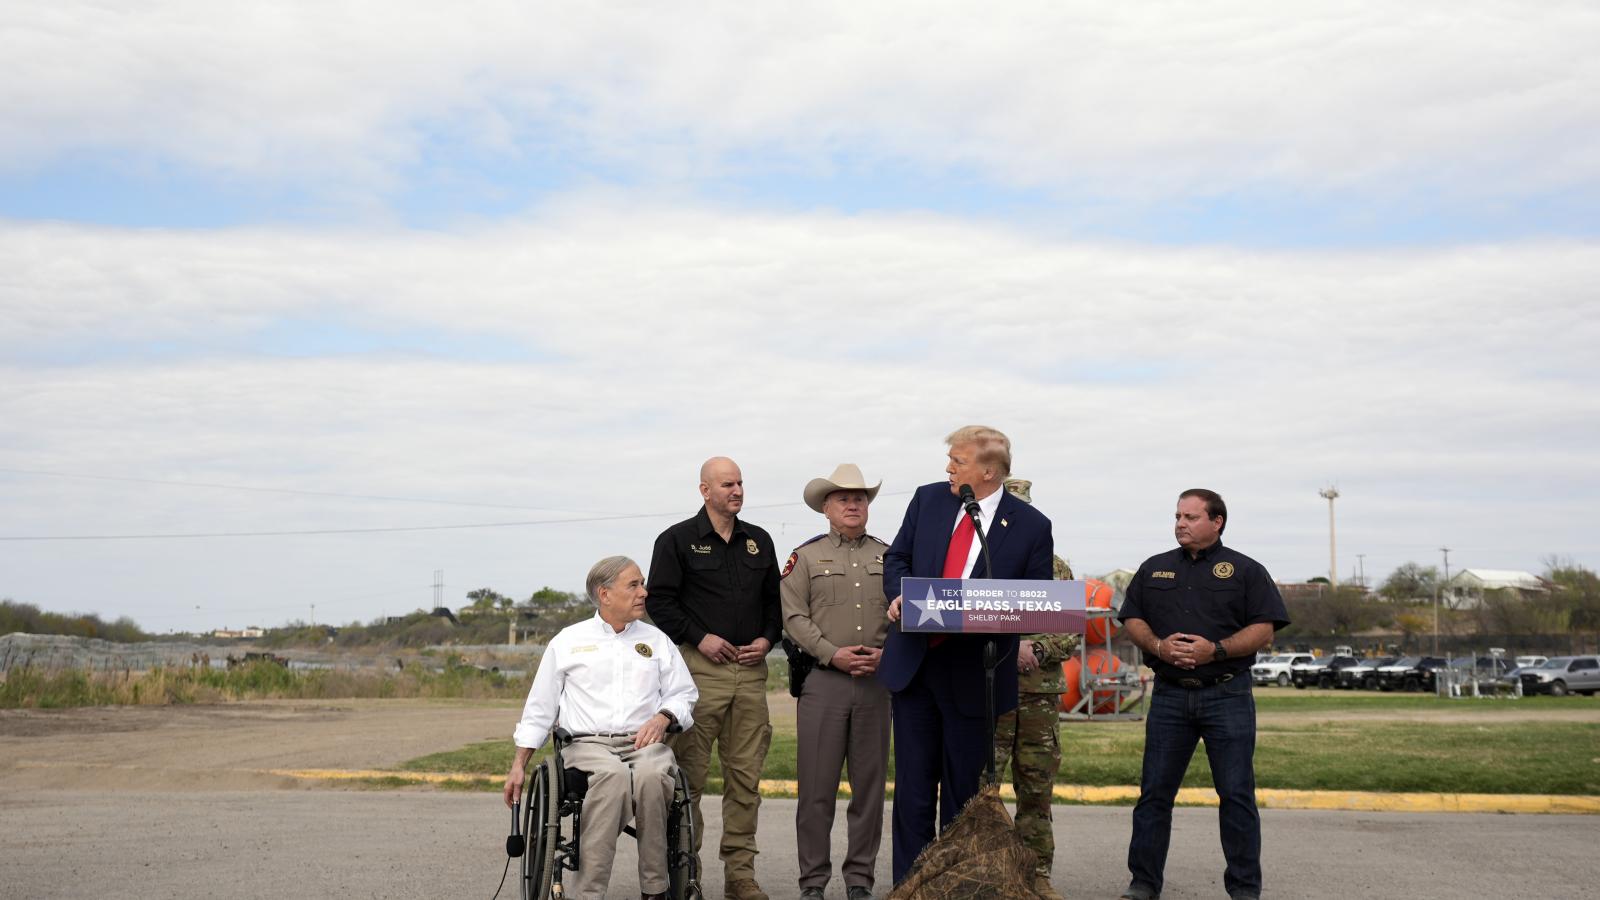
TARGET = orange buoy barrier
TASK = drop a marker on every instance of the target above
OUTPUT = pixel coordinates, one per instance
(1098, 595)
(1101, 662)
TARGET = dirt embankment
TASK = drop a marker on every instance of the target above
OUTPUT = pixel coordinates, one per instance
(232, 746)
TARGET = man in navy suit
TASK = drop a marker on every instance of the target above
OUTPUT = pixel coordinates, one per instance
(941, 741)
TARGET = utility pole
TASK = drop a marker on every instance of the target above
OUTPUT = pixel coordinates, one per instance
(1361, 560)
(313, 614)
(1436, 597)
(1332, 494)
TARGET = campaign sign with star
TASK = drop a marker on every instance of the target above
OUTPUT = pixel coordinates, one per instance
(992, 606)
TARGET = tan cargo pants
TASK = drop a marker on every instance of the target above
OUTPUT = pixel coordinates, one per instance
(731, 713)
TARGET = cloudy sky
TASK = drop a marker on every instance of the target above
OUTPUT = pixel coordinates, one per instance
(367, 290)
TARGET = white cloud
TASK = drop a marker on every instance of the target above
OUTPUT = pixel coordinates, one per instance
(1451, 393)
(1482, 99)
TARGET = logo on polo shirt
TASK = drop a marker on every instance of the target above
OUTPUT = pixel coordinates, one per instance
(644, 650)
(750, 545)
(1223, 570)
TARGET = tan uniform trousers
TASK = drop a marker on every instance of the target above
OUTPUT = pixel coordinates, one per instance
(841, 717)
(732, 712)
(623, 783)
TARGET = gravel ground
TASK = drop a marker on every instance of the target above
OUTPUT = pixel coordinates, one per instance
(276, 844)
(173, 803)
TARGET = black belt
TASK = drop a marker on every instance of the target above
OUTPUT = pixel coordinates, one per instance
(1195, 683)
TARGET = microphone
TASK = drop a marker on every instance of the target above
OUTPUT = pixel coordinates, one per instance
(515, 842)
(970, 501)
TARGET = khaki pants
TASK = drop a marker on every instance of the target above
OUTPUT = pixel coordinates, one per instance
(623, 783)
(840, 718)
(732, 713)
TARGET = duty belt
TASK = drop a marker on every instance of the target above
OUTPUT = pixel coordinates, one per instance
(1194, 683)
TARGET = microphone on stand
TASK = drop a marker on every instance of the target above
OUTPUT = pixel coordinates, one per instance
(969, 500)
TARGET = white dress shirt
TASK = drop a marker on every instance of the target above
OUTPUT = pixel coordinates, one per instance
(594, 679)
(986, 511)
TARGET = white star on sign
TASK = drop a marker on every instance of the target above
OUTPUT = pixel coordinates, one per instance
(929, 613)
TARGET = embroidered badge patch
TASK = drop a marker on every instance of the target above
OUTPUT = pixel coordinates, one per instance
(644, 650)
(750, 545)
(1163, 574)
(1222, 570)
(789, 566)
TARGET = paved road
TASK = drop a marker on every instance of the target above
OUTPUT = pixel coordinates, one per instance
(354, 844)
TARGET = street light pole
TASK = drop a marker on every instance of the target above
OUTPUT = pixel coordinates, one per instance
(1437, 595)
(1332, 494)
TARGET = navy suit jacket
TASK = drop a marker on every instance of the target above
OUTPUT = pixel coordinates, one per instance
(1022, 547)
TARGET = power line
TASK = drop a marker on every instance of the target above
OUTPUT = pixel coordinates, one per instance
(270, 490)
(392, 529)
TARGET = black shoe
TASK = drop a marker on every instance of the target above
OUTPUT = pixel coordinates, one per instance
(858, 892)
(1139, 892)
(811, 894)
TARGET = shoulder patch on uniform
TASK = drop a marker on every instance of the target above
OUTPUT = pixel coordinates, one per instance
(789, 566)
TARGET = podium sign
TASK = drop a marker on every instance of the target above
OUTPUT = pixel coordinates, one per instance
(992, 606)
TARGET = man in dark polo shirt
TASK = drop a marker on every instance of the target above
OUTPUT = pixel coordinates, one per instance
(1200, 612)
(714, 591)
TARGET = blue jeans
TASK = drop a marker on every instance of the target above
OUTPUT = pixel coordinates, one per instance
(1224, 716)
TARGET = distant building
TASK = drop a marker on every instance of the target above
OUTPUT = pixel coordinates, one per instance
(1296, 590)
(254, 631)
(1466, 588)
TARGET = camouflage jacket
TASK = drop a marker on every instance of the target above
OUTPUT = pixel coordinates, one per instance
(1051, 650)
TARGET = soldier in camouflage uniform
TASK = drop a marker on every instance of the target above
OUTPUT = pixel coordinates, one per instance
(1029, 738)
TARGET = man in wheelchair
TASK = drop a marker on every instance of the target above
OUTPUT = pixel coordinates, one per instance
(617, 685)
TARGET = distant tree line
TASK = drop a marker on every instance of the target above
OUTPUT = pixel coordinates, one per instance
(29, 619)
(483, 621)
(1404, 604)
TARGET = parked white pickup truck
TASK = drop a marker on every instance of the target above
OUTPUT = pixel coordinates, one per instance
(1275, 669)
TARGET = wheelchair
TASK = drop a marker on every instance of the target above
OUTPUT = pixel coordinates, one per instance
(553, 824)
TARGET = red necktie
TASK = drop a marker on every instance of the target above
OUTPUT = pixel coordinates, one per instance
(955, 560)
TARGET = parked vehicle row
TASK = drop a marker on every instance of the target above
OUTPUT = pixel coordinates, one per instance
(1557, 676)
(1562, 675)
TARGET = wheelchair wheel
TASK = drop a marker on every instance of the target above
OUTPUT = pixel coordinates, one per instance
(683, 864)
(543, 818)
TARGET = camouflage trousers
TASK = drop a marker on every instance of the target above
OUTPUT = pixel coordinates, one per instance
(1028, 738)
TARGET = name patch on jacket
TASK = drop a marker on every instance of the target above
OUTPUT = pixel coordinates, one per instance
(1163, 574)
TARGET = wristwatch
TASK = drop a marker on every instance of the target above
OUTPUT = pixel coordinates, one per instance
(671, 719)
(1219, 654)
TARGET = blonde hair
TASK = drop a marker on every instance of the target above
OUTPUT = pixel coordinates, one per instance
(994, 448)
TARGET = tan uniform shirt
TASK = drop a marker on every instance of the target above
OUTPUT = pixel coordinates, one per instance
(832, 593)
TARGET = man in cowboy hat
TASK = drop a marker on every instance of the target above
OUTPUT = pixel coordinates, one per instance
(834, 608)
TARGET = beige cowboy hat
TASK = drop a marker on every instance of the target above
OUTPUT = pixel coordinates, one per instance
(845, 478)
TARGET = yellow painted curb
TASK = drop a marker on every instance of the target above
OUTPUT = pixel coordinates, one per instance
(1266, 798)
(360, 774)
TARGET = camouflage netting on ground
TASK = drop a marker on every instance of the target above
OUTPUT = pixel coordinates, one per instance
(979, 857)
